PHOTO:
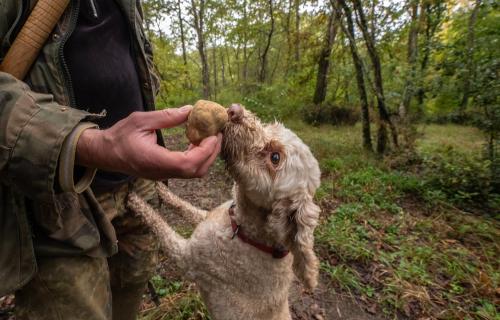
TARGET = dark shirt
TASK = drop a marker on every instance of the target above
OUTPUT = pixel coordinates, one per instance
(102, 67)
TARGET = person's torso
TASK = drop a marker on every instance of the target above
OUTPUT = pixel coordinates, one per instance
(100, 58)
(102, 69)
(50, 74)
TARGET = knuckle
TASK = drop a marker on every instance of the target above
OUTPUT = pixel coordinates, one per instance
(135, 115)
(168, 113)
(135, 118)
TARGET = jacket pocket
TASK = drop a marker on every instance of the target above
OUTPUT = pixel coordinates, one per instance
(4, 156)
(17, 259)
(69, 220)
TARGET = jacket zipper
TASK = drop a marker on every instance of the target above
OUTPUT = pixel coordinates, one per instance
(136, 51)
(94, 8)
(67, 76)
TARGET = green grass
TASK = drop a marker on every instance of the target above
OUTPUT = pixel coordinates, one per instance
(183, 306)
(179, 301)
(394, 240)
(467, 139)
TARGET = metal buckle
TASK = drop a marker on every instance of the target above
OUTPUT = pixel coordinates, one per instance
(235, 232)
(278, 252)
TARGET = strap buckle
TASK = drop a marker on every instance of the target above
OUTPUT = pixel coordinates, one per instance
(235, 232)
(279, 252)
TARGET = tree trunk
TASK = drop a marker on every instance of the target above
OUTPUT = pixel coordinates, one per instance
(245, 44)
(275, 67)
(360, 79)
(238, 64)
(214, 68)
(297, 31)
(183, 36)
(198, 17)
(264, 55)
(426, 14)
(469, 56)
(411, 59)
(384, 118)
(223, 68)
(324, 58)
(432, 15)
(187, 83)
(288, 40)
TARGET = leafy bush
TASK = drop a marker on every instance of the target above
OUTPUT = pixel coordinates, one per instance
(269, 102)
(331, 114)
(376, 189)
(464, 179)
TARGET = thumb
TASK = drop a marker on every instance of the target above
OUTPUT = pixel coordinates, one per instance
(166, 118)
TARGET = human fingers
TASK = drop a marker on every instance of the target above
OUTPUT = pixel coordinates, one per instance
(166, 118)
(204, 154)
(183, 164)
(205, 166)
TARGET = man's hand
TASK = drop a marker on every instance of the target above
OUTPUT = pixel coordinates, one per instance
(130, 147)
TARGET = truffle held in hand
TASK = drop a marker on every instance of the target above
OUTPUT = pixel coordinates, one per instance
(206, 119)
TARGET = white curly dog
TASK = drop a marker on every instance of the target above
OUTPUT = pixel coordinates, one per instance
(238, 253)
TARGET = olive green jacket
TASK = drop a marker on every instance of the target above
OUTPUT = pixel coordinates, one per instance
(39, 127)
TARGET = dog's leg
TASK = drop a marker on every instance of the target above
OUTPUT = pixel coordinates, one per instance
(188, 211)
(175, 245)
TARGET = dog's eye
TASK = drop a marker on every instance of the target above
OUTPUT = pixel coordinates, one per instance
(275, 157)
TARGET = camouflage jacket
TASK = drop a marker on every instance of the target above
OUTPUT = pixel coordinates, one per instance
(38, 119)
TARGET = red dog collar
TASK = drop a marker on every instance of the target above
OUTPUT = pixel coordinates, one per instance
(276, 252)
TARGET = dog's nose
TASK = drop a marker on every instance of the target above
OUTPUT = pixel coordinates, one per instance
(235, 112)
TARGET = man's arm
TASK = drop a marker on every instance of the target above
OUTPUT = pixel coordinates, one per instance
(33, 128)
(130, 147)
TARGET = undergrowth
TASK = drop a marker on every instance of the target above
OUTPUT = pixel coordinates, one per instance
(179, 300)
(395, 240)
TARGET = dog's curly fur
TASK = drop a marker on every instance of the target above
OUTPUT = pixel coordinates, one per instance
(274, 205)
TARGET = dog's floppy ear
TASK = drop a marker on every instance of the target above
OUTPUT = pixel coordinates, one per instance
(294, 220)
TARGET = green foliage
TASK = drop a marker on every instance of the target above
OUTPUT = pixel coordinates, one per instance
(393, 239)
(189, 306)
(347, 279)
(331, 114)
(464, 179)
(174, 76)
(452, 61)
(178, 302)
(164, 288)
(377, 189)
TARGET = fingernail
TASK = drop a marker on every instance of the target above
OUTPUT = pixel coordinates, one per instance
(186, 108)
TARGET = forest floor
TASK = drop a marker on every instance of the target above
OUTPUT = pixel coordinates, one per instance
(390, 246)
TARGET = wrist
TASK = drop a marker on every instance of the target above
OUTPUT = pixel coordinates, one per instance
(69, 180)
(87, 149)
